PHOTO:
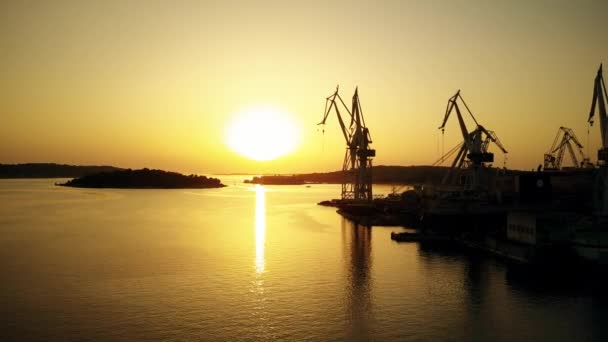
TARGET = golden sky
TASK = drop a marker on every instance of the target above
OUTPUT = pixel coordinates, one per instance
(154, 83)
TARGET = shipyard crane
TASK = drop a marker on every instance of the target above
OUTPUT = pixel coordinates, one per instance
(599, 98)
(357, 164)
(600, 195)
(565, 139)
(473, 151)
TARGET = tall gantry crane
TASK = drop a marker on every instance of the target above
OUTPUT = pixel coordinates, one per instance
(357, 164)
(600, 196)
(554, 157)
(599, 98)
(473, 151)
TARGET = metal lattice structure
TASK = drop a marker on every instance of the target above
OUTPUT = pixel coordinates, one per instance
(472, 153)
(565, 139)
(357, 164)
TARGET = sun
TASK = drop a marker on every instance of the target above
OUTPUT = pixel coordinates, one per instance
(262, 133)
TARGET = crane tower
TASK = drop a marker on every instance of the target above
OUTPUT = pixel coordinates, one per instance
(599, 98)
(357, 164)
(601, 182)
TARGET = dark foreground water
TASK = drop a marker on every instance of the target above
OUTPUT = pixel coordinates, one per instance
(245, 263)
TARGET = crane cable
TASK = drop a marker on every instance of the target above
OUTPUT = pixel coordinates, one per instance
(442, 142)
(323, 141)
(446, 156)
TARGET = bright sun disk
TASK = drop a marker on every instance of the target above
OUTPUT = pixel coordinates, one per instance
(262, 133)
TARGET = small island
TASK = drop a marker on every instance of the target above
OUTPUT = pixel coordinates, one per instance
(143, 179)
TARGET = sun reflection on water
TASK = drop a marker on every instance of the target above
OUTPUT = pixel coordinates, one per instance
(260, 227)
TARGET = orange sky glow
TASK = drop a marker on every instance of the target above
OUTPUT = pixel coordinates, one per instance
(155, 83)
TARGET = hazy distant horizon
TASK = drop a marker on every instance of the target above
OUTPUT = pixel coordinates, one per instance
(244, 173)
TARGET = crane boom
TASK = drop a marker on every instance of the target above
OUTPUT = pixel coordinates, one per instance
(453, 105)
(332, 104)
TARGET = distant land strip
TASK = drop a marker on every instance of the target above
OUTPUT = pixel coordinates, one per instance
(143, 179)
(380, 175)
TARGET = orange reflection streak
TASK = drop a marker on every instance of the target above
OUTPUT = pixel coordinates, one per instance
(260, 227)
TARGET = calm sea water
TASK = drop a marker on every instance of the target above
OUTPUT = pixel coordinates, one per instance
(247, 263)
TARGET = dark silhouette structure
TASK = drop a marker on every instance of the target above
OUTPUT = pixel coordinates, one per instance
(565, 139)
(473, 154)
(599, 100)
(357, 165)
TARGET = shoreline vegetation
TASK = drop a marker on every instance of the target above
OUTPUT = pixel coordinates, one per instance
(143, 179)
